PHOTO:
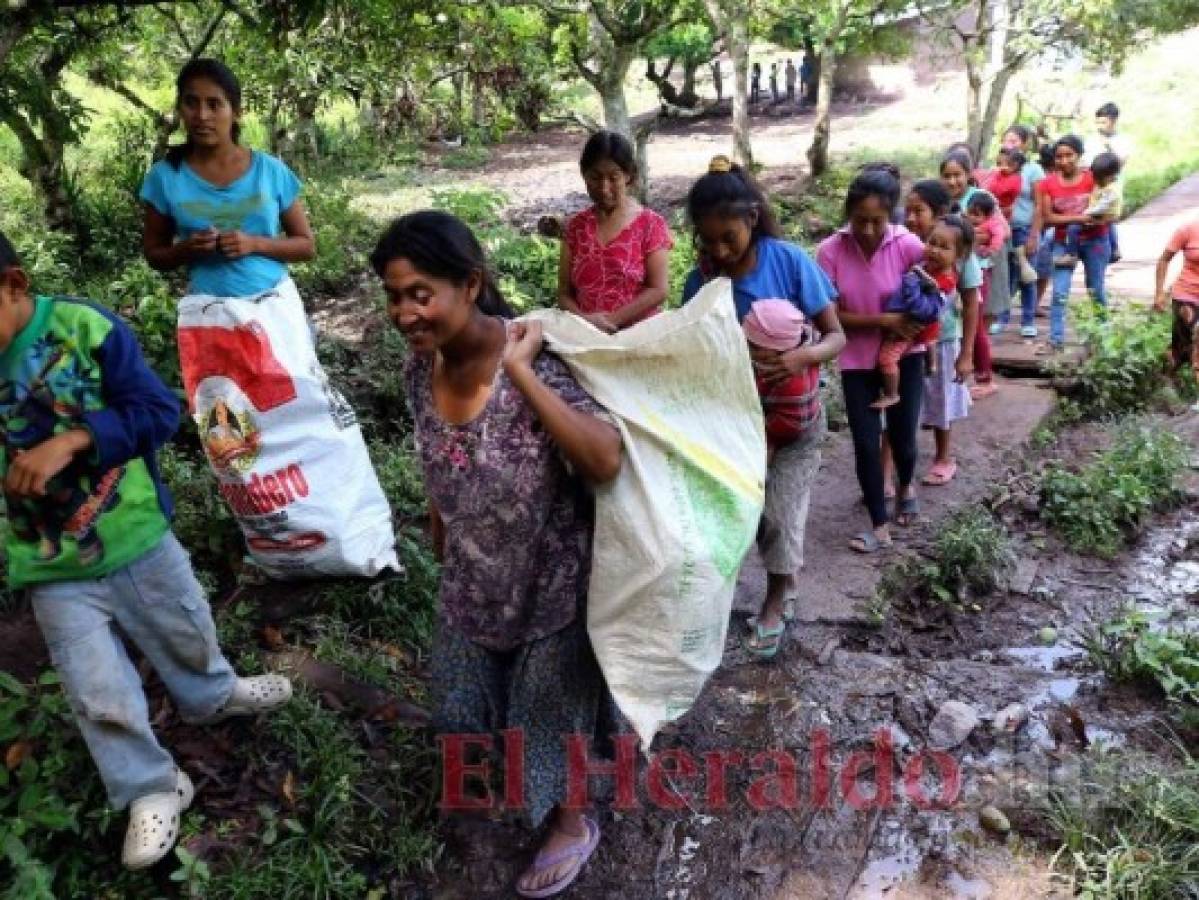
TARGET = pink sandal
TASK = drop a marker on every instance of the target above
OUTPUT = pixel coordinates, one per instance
(940, 473)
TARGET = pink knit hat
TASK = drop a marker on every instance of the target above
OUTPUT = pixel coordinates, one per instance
(775, 325)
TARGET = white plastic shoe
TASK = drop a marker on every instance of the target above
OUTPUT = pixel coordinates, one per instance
(258, 694)
(154, 823)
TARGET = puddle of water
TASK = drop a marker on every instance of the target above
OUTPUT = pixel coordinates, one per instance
(885, 872)
(1105, 736)
(1055, 690)
(962, 888)
(1047, 659)
(1160, 581)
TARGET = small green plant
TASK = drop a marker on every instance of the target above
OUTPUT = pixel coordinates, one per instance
(1130, 828)
(477, 207)
(1131, 649)
(1124, 367)
(1096, 508)
(203, 522)
(47, 781)
(970, 552)
(192, 875)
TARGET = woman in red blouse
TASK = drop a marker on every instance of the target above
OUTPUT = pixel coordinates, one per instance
(1062, 198)
(614, 254)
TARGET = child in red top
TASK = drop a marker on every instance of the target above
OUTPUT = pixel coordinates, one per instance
(1005, 182)
(789, 406)
(948, 242)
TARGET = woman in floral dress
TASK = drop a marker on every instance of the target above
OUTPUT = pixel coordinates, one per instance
(509, 445)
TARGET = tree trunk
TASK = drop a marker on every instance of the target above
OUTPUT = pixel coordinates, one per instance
(478, 106)
(986, 125)
(731, 17)
(738, 39)
(974, 104)
(687, 96)
(306, 135)
(611, 89)
(43, 165)
(641, 138)
(822, 130)
(666, 89)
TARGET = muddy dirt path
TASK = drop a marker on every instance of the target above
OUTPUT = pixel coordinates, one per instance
(772, 729)
(540, 175)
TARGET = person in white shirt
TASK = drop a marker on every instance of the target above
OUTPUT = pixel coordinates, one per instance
(1107, 139)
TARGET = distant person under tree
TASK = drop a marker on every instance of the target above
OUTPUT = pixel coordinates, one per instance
(790, 73)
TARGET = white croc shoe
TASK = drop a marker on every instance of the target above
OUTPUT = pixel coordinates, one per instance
(154, 823)
(258, 694)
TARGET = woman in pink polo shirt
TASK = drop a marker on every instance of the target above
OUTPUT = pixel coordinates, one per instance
(866, 260)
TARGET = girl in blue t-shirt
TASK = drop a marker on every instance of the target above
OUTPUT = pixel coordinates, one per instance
(231, 215)
(737, 238)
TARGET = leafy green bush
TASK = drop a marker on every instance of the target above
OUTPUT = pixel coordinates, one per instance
(970, 552)
(1130, 649)
(1125, 363)
(525, 266)
(344, 238)
(1097, 507)
(46, 257)
(477, 207)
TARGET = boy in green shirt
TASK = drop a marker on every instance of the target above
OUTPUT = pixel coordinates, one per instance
(81, 419)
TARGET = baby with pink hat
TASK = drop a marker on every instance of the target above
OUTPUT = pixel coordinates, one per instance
(791, 405)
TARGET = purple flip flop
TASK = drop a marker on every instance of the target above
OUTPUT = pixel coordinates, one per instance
(580, 853)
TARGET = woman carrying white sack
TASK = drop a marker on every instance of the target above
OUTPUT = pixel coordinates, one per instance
(284, 446)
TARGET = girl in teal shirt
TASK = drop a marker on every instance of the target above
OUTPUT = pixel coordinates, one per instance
(231, 215)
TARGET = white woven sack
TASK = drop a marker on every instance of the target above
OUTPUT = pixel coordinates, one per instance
(672, 529)
(283, 443)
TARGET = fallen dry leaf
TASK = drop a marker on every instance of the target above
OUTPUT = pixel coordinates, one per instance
(272, 637)
(288, 788)
(17, 753)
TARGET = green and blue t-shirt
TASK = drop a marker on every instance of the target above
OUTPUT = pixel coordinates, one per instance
(252, 204)
(75, 365)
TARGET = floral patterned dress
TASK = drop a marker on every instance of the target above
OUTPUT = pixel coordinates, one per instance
(512, 650)
(608, 277)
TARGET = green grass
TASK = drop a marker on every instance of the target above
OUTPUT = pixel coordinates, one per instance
(1131, 827)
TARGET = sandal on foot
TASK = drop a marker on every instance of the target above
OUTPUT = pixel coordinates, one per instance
(868, 542)
(940, 473)
(251, 696)
(154, 823)
(906, 511)
(576, 854)
(983, 389)
(764, 642)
